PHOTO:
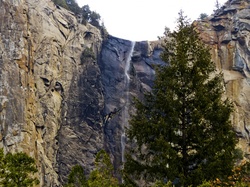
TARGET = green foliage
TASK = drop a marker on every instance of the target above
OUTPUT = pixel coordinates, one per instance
(16, 170)
(73, 6)
(95, 19)
(240, 176)
(61, 3)
(202, 16)
(238, 154)
(104, 32)
(86, 13)
(69, 5)
(88, 16)
(76, 177)
(91, 17)
(102, 175)
(182, 130)
(205, 184)
(161, 184)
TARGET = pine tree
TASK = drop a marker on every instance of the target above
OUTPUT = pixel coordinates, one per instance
(77, 177)
(16, 170)
(103, 173)
(181, 131)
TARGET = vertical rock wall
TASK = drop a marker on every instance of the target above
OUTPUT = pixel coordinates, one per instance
(118, 94)
(63, 90)
(228, 34)
(45, 87)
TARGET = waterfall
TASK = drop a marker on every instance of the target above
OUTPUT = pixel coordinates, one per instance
(126, 107)
(127, 65)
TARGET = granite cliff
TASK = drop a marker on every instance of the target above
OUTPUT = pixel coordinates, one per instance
(66, 90)
(227, 32)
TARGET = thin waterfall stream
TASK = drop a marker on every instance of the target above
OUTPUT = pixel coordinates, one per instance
(126, 107)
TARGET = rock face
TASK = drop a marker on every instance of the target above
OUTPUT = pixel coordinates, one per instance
(63, 90)
(228, 33)
(66, 92)
(47, 93)
(126, 72)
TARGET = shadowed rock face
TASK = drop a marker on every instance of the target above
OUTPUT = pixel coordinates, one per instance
(118, 91)
(65, 93)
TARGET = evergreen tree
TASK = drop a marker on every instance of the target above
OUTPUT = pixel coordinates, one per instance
(103, 174)
(69, 5)
(91, 17)
(74, 7)
(95, 19)
(77, 178)
(16, 170)
(86, 14)
(61, 3)
(181, 131)
(203, 16)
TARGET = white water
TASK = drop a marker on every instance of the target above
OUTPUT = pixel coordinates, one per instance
(127, 66)
(126, 107)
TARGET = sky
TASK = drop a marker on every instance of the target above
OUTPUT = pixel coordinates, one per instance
(139, 20)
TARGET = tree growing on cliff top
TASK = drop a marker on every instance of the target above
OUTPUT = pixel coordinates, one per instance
(181, 132)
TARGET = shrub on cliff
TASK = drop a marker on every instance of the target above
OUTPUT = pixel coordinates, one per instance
(91, 17)
(69, 5)
(181, 132)
(203, 16)
(16, 170)
(61, 3)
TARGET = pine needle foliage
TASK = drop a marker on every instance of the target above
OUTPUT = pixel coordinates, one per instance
(77, 177)
(17, 169)
(103, 174)
(181, 131)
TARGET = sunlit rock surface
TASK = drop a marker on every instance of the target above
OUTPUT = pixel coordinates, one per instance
(66, 92)
(45, 89)
(228, 34)
(56, 103)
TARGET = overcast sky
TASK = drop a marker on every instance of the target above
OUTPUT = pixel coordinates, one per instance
(139, 20)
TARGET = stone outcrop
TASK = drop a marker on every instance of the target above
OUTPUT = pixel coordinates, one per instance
(62, 89)
(45, 88)
(66, 92)
(228, 32)
(120, 87)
